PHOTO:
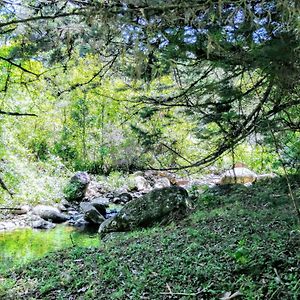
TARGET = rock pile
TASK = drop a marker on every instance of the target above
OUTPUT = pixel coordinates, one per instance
(150, 197)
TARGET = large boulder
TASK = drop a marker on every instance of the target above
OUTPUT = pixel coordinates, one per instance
(76, 188)
(158, 206)
(91, 214)
(238, 175)
(50, 213)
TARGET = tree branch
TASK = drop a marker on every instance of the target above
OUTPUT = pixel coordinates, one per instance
(52, 17)
(18, 66)
(17, 114)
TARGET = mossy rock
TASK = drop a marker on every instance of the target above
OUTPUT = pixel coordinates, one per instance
(75, 190)
(158, 206)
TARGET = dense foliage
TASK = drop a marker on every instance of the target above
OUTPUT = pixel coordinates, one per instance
(127, 85)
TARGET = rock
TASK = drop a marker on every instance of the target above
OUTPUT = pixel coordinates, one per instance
(42, 224)
(109, 195)
(76, 188)
(100, 204)
(94, 190)
(266, 176)
(125, 197)
(182, 182)
(50, 213)
(91, 214)
(116, 200)
(170, 176)
(141, 183)
(8, 225)
(162, 182)
(122, 190)
(24, 209)
(65, 203)
(240, 165)
(78, 221)
(62, 208)
(137, 173)
(160, 205)
(238, 175)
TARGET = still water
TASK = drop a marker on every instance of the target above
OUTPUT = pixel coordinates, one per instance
(24, 245)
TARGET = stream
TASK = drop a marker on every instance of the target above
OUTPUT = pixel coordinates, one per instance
(24, 245)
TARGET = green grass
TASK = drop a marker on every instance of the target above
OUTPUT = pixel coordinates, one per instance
(236, 239)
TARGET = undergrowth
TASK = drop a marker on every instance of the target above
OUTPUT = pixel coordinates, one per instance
(237, 240)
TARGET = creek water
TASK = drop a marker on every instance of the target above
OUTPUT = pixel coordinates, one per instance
(23, 245)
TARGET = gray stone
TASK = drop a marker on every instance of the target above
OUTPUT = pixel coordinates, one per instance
(125, 197)
(50, 213)
(65, 203)
(137, 173)
(94, 190)
(116, 200)
(100, 204)
(162, 183)
(91, 214)
(42, 224)
(158, 206)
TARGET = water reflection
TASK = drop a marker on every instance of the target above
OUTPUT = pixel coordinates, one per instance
(23, 245)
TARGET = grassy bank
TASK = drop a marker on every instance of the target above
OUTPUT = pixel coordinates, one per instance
(238, 240)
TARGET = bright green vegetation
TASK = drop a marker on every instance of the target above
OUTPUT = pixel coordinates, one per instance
(114, 87)
(21, 246)
(125, 86)
(236, 239)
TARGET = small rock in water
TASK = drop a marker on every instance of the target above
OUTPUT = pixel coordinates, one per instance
(91, 214)
(50, 213)
(100, 204)
(42, 224)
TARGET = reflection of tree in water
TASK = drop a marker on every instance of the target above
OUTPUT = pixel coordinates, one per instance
(23, 245)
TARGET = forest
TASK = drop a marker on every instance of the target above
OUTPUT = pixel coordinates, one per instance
(149, 149)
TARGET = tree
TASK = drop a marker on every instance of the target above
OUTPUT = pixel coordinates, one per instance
(236, 63)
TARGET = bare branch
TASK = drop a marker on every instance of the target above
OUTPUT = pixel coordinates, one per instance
(18, 66)
(9, 113)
